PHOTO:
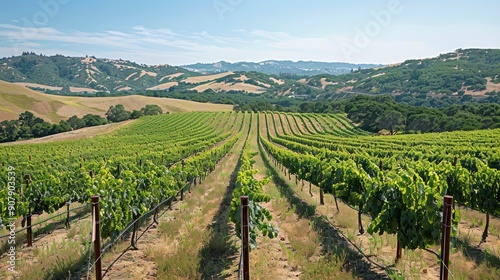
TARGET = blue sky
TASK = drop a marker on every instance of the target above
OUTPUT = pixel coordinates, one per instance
(190, 31)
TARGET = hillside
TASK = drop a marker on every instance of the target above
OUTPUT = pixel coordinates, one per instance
(474, 72)
(15, 99)
(471, 71)
(277, 67)
(81, 75)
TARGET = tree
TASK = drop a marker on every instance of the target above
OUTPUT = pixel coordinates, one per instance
(76, 123)
(10, 130)
(392, 121)
(136, 114)
(25, 132)
(27, 118)
(64, 126)
(117, 113)
(150, 110)
(93, 120)
(41, 129)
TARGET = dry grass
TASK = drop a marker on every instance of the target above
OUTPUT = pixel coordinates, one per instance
(164, 86)
(229, 86)
(15, 99)
(206, 78)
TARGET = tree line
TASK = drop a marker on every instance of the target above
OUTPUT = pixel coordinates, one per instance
(28, 126)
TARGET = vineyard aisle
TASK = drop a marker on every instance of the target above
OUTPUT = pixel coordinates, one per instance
(193, 240)
(297, 252)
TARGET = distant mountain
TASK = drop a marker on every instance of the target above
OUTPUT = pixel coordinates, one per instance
(277, 67)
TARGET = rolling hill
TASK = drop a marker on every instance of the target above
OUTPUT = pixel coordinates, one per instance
(474, 72)
(15, 99)
(79, 75)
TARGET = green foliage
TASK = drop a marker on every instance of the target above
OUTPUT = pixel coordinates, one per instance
(151, 110)
(247, 185)
(400, 180)
(130, 172)
(117, 113)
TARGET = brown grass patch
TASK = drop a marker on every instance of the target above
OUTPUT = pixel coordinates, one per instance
(15, 99)
(206, 78)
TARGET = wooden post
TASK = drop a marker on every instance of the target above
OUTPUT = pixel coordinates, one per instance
(321, 197)
(67, 214)
(245, 237)
(29, 230)
(96, 237)
(399, 250)
(445, 240)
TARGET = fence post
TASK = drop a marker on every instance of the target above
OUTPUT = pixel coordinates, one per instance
(96, 236)
(67, 214)
(445, 240)
(399, 250)
(245, 237)
(29, 230)
(134, 232)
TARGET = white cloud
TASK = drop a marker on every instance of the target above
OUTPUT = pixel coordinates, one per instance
(154, 46)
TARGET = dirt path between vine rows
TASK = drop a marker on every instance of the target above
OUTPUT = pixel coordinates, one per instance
(194, 239)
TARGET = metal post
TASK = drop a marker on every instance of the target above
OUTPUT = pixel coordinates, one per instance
(96, 237)
(245, 237)
(445, 241)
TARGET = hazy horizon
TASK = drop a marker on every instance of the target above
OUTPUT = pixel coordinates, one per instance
(197, 31)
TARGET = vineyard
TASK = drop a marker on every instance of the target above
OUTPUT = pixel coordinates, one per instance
(327, 200)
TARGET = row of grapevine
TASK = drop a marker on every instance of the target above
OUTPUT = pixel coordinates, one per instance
(470, 180)
(247, 185)
(128, 183)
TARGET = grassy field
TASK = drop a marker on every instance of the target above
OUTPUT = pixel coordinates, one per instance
(15, 99)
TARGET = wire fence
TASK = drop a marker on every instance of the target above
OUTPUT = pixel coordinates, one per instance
(131, 231)
(48, 219)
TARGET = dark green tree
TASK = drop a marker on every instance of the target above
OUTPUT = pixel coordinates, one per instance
(136, 114)
(27, 118)
(117, 114)
(392, 121)
(93, 120)
(76, 123)
(41, 129)
(150, 110)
